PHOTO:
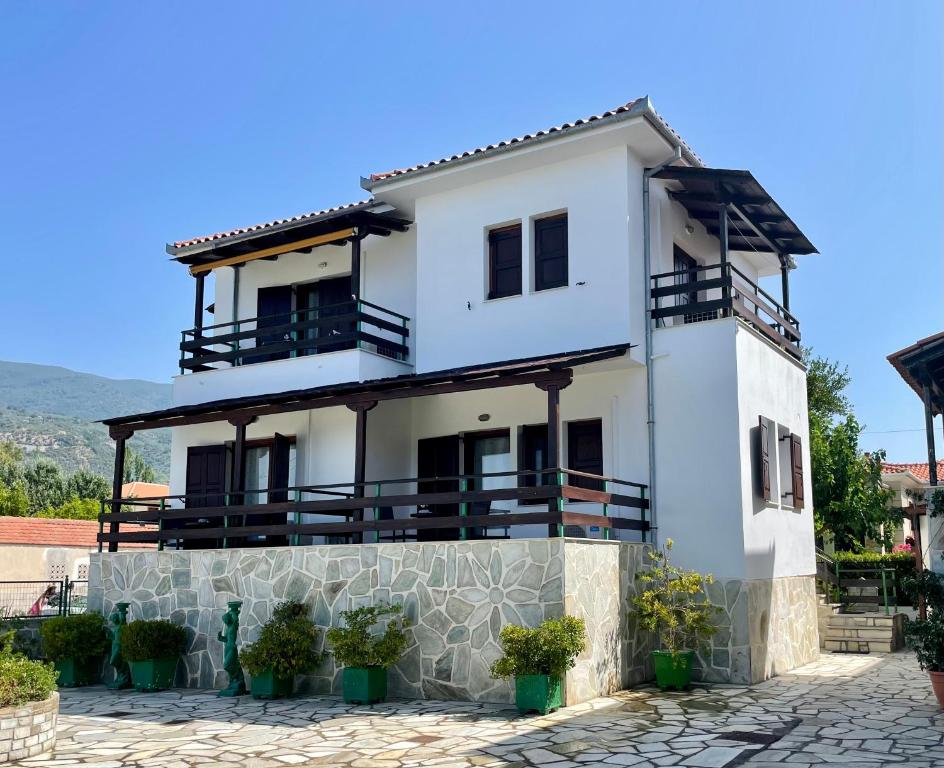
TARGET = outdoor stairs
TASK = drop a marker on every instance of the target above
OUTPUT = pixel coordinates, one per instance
(873, 632)
(824, 612)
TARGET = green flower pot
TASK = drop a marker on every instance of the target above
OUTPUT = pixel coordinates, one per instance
(673, 671)
(268, 685)
(74, 673)
(364, 685)
(153, 674)
(537, 693)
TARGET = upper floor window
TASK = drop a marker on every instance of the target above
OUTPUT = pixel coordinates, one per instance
(504, 262)
(550, 252)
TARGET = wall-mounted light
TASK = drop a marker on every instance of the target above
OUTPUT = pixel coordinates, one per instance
(484, 416)
(323, 265)
(689, 228)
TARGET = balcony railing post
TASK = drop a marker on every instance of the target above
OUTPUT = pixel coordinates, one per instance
(226, 502)
(642, 515)
(606, 530)
(296, 516)
(377, 514)
(463, 508)
(357, 311)
(160, 525)
(101, 524)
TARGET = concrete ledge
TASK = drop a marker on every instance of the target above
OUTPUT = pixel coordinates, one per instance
(28, 730)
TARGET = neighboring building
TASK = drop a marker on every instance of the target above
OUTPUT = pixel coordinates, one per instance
(144, 491)
(909, 484)
(473, 376)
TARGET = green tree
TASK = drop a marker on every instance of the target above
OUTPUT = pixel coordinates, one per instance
(45, 485)
(83, 484)
(13, 501)
(137, 469)
(11, 464)
(74, 509)
(850, 503)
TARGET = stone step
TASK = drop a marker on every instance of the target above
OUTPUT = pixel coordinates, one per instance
(863, 633)
(861, 620)
(858, 646)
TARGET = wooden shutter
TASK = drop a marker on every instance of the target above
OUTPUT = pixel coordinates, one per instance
(281, 459)
(585, 452)
(504, 257)
(763, 459)
(550, 252)
(796, 470)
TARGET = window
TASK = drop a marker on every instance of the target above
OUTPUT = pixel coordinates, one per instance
(585, 452)
(487, 452)
(686, 271)
(269, 464)
(550, 252)
(533, 456)
(504, 262)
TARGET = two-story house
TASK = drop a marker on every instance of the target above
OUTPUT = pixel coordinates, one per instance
(479, 392)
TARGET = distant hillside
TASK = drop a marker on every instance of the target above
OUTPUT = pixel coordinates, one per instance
(49, 411)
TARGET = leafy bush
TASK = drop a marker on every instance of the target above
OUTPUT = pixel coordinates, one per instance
(157, 639)
(354, 645)
(287, 643)
(23, 680)
(926, 639)
(74, 509)
(673, 603)
(78, 637)
(550, 649)
(903, 564)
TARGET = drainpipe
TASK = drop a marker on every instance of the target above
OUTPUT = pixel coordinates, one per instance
(648, 173)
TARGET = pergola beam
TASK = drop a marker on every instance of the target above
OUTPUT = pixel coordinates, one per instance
(276, 250)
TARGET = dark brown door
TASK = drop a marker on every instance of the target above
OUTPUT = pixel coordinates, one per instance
(585, 452)
(273, 308)
(206, 487)
(324, 301)
(438, 457)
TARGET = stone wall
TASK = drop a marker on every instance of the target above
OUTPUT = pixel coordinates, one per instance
(768, 627)
(457, 596)
(29, 729)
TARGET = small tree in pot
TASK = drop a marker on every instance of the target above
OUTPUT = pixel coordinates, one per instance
(76, 645)
(152, 650)
(673, 605)
(538, 658)
(287, 646)
(926, 636)
(366, 655)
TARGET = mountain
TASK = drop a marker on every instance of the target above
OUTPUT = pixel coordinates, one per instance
(51, 412)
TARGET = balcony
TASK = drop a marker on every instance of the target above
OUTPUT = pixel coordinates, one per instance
(463, 507)
(345, 326)
(722, 290)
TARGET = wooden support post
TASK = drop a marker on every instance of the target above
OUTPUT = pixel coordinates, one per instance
(929, 432)
(785, 281)
(725, 272)
(356, 266)
(553, 388)
(120, 435)
(238, 479)
(360, 458)
(198, 306)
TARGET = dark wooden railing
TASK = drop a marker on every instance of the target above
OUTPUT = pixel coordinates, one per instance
(706, 293)
(348, 325)
(380, 511)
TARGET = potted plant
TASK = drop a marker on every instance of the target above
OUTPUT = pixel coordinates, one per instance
(538, 658)
(287, 646)
(152, 649)
(674, 606)
(366, 655)
(926, 636)
(76, 645)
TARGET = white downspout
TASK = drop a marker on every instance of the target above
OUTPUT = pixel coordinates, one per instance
(648, 173)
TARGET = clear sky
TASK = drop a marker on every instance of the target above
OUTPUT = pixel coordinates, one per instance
(127, 125)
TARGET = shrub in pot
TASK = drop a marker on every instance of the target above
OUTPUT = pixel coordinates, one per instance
(152, 649)
(366, 655)
(287, 646)
(76, 645)
(926, 636)
(673, 605)
(538, 658)
(22, 680)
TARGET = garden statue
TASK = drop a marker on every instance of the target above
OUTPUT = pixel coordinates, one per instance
(118, 618)
(237, 681)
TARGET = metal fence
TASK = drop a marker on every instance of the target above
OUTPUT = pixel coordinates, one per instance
(36, 599)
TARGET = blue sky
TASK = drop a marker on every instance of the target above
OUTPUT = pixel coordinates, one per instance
(126, 125)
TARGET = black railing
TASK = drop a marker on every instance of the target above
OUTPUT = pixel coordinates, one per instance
(481, 506)
(41, 598)
(706, 293)
(349, 325)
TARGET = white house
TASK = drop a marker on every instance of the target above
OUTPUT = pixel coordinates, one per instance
(559, 335)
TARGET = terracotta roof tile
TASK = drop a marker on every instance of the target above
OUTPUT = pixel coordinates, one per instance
(50, 532)
(627, 107)
(918, 470)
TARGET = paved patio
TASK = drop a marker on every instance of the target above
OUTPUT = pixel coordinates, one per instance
(854, 710)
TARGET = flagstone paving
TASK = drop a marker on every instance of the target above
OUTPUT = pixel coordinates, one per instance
(850, 710)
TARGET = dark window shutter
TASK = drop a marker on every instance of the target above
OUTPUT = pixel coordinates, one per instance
(504, 262)
(279, 467)
(796, 466)
(763, 459)
(550, 252)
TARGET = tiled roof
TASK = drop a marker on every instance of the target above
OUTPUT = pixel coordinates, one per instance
(642, 102)
(139, 490)
(267, 225)
(49, 532)
(918, 470)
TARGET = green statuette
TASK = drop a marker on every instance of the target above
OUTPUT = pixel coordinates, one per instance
(118, 619)
(237, 681)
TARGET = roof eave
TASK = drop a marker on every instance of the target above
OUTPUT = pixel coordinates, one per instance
(642, 109)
